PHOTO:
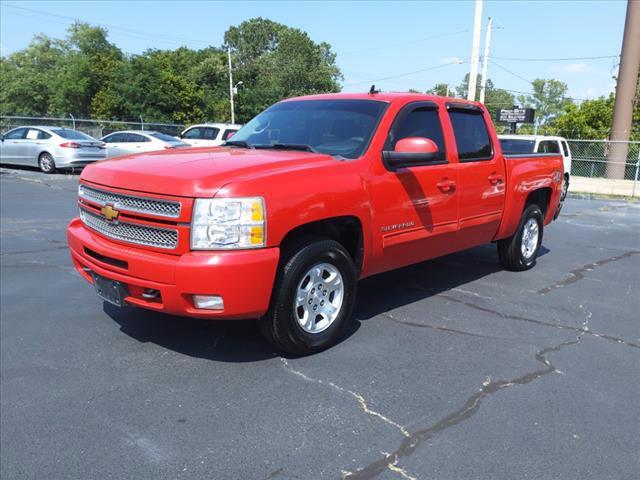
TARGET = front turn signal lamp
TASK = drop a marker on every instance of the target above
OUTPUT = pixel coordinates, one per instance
(228, 223)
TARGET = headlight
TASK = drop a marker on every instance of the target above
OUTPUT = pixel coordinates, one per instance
(228, 223)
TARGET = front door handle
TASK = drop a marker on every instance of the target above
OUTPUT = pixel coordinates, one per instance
(495, 179)
(446, 185)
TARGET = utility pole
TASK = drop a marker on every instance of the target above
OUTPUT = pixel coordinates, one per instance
(475, 52)
(233, 115)
(485, 60)
(625, 92)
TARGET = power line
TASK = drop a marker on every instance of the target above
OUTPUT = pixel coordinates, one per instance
(509, 71)
(406, 74)
(441, 35)
(565, 59)
(138, 33)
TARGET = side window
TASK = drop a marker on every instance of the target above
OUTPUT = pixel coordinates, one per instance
(565, 148)
(135, 138)
(17, 134)
(210, 133)
(116, 138)
(419, 121)
(43, 135)
(193, 134)
(228, 133)
(549, 146)
(472, 136)
(32, 134)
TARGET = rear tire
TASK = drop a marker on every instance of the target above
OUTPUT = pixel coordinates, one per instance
(520, 251)
(46, 163)
(313, 298)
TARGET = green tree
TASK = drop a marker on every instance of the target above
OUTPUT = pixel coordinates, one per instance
(440, 89)
(275, 61)
(495, 98)
(549, 98)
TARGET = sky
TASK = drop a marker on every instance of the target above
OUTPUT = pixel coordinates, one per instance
(395, 44)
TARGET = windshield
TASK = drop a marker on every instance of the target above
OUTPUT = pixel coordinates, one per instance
(510, 145)
(341, 128)
(70, 134)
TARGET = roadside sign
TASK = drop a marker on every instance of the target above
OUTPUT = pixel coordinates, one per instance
(516, 115)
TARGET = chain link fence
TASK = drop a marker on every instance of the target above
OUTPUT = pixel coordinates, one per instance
(590, 158)
(94, 128)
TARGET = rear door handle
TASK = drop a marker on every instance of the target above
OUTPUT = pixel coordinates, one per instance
(494, 179)
(446, 185)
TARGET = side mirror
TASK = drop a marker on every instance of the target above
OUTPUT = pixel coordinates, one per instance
(411, 152)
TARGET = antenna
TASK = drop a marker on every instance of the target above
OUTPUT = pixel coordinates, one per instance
(373, 91)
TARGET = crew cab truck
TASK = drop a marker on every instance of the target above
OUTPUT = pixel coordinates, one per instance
(313, 194)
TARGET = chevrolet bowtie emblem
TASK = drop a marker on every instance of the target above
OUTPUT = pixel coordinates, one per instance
(109, 212)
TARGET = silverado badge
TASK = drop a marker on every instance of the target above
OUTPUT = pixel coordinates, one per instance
(109, 213)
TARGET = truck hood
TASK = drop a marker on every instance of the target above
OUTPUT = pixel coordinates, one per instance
(195, 172)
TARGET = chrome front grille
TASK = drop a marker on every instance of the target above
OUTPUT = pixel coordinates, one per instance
(130, 203)
(131, 232)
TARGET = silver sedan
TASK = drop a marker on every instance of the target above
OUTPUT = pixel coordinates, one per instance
(50, 148)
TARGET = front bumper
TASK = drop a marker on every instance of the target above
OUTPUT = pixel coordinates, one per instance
(243, 278)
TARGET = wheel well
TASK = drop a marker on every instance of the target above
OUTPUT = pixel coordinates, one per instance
(345, 230)
(540, 197)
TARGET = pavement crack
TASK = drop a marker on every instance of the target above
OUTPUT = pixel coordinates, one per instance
(23, 252)
(579, 273)
(434, 327)
(468, 409)
(359, 398)
(581, 330)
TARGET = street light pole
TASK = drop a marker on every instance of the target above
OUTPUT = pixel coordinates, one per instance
(233, 115)
(475, 52)
(485, 60)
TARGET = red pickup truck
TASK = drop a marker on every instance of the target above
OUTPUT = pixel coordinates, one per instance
(313, 194)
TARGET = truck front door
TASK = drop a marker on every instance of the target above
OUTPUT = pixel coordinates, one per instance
(481, 176)
(416, 208)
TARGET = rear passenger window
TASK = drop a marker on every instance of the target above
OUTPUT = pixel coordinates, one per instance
(210, 133)
(549, 146)
(419, 121)
(472, 136)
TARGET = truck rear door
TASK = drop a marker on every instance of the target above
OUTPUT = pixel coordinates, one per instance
(416, 208)
(481, 175)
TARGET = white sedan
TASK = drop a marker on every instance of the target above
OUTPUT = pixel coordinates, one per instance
(136, 141)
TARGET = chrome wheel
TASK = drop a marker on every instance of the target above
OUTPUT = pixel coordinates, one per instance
(319, 298)
(530, 235)
(47, 164)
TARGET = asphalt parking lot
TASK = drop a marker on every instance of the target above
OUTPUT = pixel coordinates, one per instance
(453, 369)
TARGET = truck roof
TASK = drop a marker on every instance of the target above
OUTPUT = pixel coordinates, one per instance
(388, 97)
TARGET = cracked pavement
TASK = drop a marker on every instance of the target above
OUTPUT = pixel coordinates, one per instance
(453, 369)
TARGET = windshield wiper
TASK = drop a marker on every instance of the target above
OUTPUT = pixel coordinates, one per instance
(290, 146)
(238, 143)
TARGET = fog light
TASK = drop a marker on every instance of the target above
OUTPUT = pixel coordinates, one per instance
(208, 302)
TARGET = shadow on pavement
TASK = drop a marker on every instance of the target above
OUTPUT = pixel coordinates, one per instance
(240, 340)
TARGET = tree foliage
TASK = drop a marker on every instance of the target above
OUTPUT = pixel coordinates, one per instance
(88, 76)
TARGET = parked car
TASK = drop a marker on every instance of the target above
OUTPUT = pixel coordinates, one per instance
(136, 141)
(526, 144)
(310, 196)
(209, 134)
(50, 148)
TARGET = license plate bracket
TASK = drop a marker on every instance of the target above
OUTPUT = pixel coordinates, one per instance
(109, 290)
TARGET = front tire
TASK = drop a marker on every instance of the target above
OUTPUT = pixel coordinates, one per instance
(520, 251)
(46, 163)
(313, 298)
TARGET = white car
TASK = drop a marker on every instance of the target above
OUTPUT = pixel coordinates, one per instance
(209, 134)
(514, 144)
(136, 141)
